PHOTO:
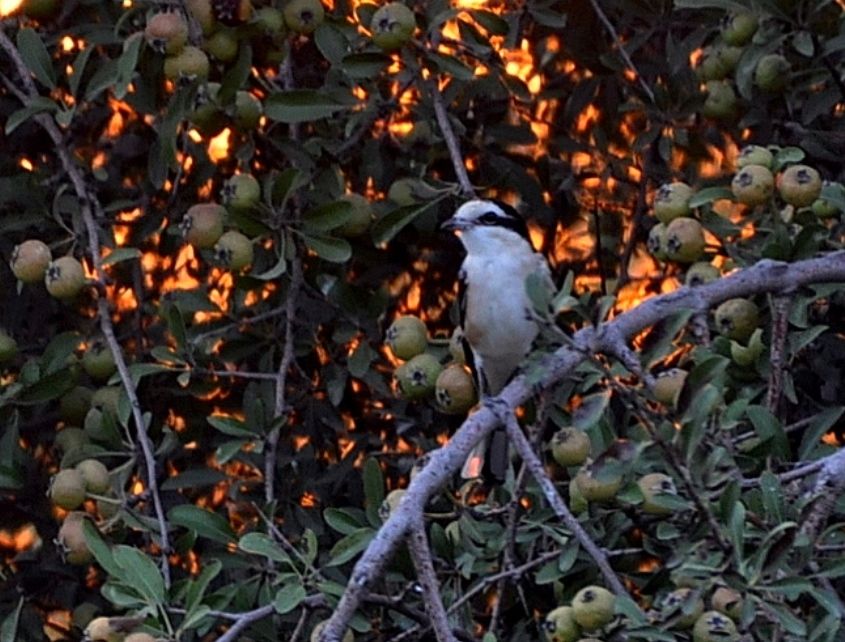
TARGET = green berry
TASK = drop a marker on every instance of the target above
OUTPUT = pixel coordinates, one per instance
(188, 64)
(593, 607)
(560, 625)
(700, 273)
(737, 318)
(652, 486)
(755, 155)
(407, 337)
(242, 192)
(98, 361)
(96, 476)
(390, 503)
(719, 100)
(712, 626)
(65, 278)
(598, 486)
(417, 378)
(30, 260)
(202, 225)
(753, 185)
(800, 185)
(454, 390)
(772, 73)
(684, 240)
(671, 201)
(392, 26)
(657, 241)
(68, 489)
(304, 16)
(668, 385)
(234, 251)
(739, 28)
(570, 446)
(683, 606)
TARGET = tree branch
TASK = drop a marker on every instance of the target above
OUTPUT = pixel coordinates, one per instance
(451, 140)
(421, 555)
(765, 276)
(88, 205)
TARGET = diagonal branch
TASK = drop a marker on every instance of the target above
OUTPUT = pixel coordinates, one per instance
(526, 452)
(451, 140)
(90, 207)
(765, 276)
(421, 555)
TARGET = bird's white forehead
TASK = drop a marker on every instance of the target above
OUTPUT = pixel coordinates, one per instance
(472, 210)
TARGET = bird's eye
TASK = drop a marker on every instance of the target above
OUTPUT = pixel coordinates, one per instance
(490, 218)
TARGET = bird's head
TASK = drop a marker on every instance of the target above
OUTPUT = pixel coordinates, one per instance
(484, 225)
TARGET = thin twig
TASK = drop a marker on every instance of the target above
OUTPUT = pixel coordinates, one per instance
(244, 620)
(451, 140)
(538, 471)
(618, 42)
(88, 205)
(288, 355)
(427, 576)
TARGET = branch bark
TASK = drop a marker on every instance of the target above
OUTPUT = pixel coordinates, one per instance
(765, 276)
(91, 209)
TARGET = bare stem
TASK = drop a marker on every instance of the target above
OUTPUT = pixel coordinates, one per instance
(421, 554)
(608, 25)
(90, 207)
(451, 140)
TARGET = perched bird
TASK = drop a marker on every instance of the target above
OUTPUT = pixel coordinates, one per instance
(496, 317)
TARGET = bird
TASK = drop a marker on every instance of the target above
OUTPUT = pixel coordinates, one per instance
(496, 312)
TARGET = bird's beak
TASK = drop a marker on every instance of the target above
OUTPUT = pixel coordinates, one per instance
(452, 225)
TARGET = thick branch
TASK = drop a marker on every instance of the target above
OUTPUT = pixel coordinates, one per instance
(88, 205)
(765, 276)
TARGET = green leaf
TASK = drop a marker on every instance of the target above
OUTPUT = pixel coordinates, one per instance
(591, 410)
(772, 495)
(198, 586)
(450, 65)
(331, 42)
(373, 489)
(205, 523)
(343, 520)
(263, 544)
(126, 64)
(802, 42)
(79, 69)
(364, 66)
(329, 248)
(388, 226)
(288, 598)
(9, 627)
(300, 106)
(121, 254)
(100, 550)
(231, 426)
(143, 572)
(710, 194)
(36, 56)
(104, 78)
(325, 218)
(350, 546)
(492, 22)
(38, 105)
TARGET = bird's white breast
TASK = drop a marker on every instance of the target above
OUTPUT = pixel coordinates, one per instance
(498, 324)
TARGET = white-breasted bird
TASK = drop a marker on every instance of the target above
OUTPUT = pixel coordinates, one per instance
(496, 317)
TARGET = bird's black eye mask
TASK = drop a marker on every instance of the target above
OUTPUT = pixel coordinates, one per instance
(511, 220)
